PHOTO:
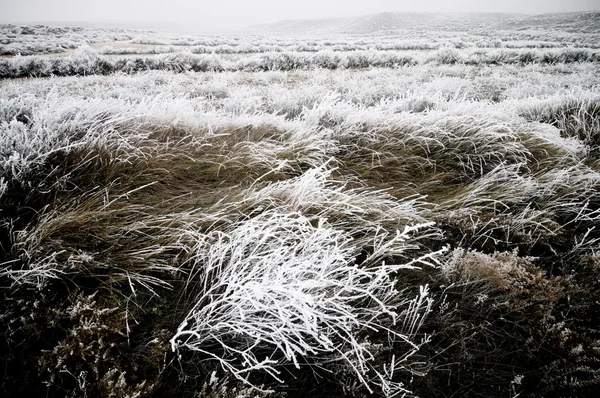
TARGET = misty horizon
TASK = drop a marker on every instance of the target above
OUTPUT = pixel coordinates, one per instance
(235, 14)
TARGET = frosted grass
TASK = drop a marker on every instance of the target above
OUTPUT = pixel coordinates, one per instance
(285, 210)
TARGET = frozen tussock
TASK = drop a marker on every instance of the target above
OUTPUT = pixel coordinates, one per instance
(282, 289)
(304, 278)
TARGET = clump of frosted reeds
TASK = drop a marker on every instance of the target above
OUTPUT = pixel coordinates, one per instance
(79, 240)
(298, 278)
(281, 289)
(577, 117)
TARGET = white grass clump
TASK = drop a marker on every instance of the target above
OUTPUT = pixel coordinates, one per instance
(281, 289)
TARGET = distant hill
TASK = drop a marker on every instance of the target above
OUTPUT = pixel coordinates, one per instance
(331, 25)
(387, 22)
(390, 22)
(580, 22)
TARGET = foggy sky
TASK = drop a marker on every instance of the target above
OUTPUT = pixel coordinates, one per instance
(228, 14)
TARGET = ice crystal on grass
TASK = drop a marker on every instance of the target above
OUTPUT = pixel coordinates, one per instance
(281, 289)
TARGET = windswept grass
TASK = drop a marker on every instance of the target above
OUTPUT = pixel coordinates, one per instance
(426, 230)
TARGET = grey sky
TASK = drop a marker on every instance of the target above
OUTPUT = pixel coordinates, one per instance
(239, 13)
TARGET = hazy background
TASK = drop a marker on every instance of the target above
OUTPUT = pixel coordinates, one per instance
(231, 14)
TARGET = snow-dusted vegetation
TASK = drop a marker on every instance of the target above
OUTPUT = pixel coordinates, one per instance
(304, 217)
(41, 39)
(87, 61)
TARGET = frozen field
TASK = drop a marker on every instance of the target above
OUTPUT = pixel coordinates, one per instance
(333, 210)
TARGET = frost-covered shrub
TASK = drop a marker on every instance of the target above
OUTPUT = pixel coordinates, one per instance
(85, 357)
(506, 314)
(446, 56)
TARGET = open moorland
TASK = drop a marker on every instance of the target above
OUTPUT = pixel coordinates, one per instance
(392, 205)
